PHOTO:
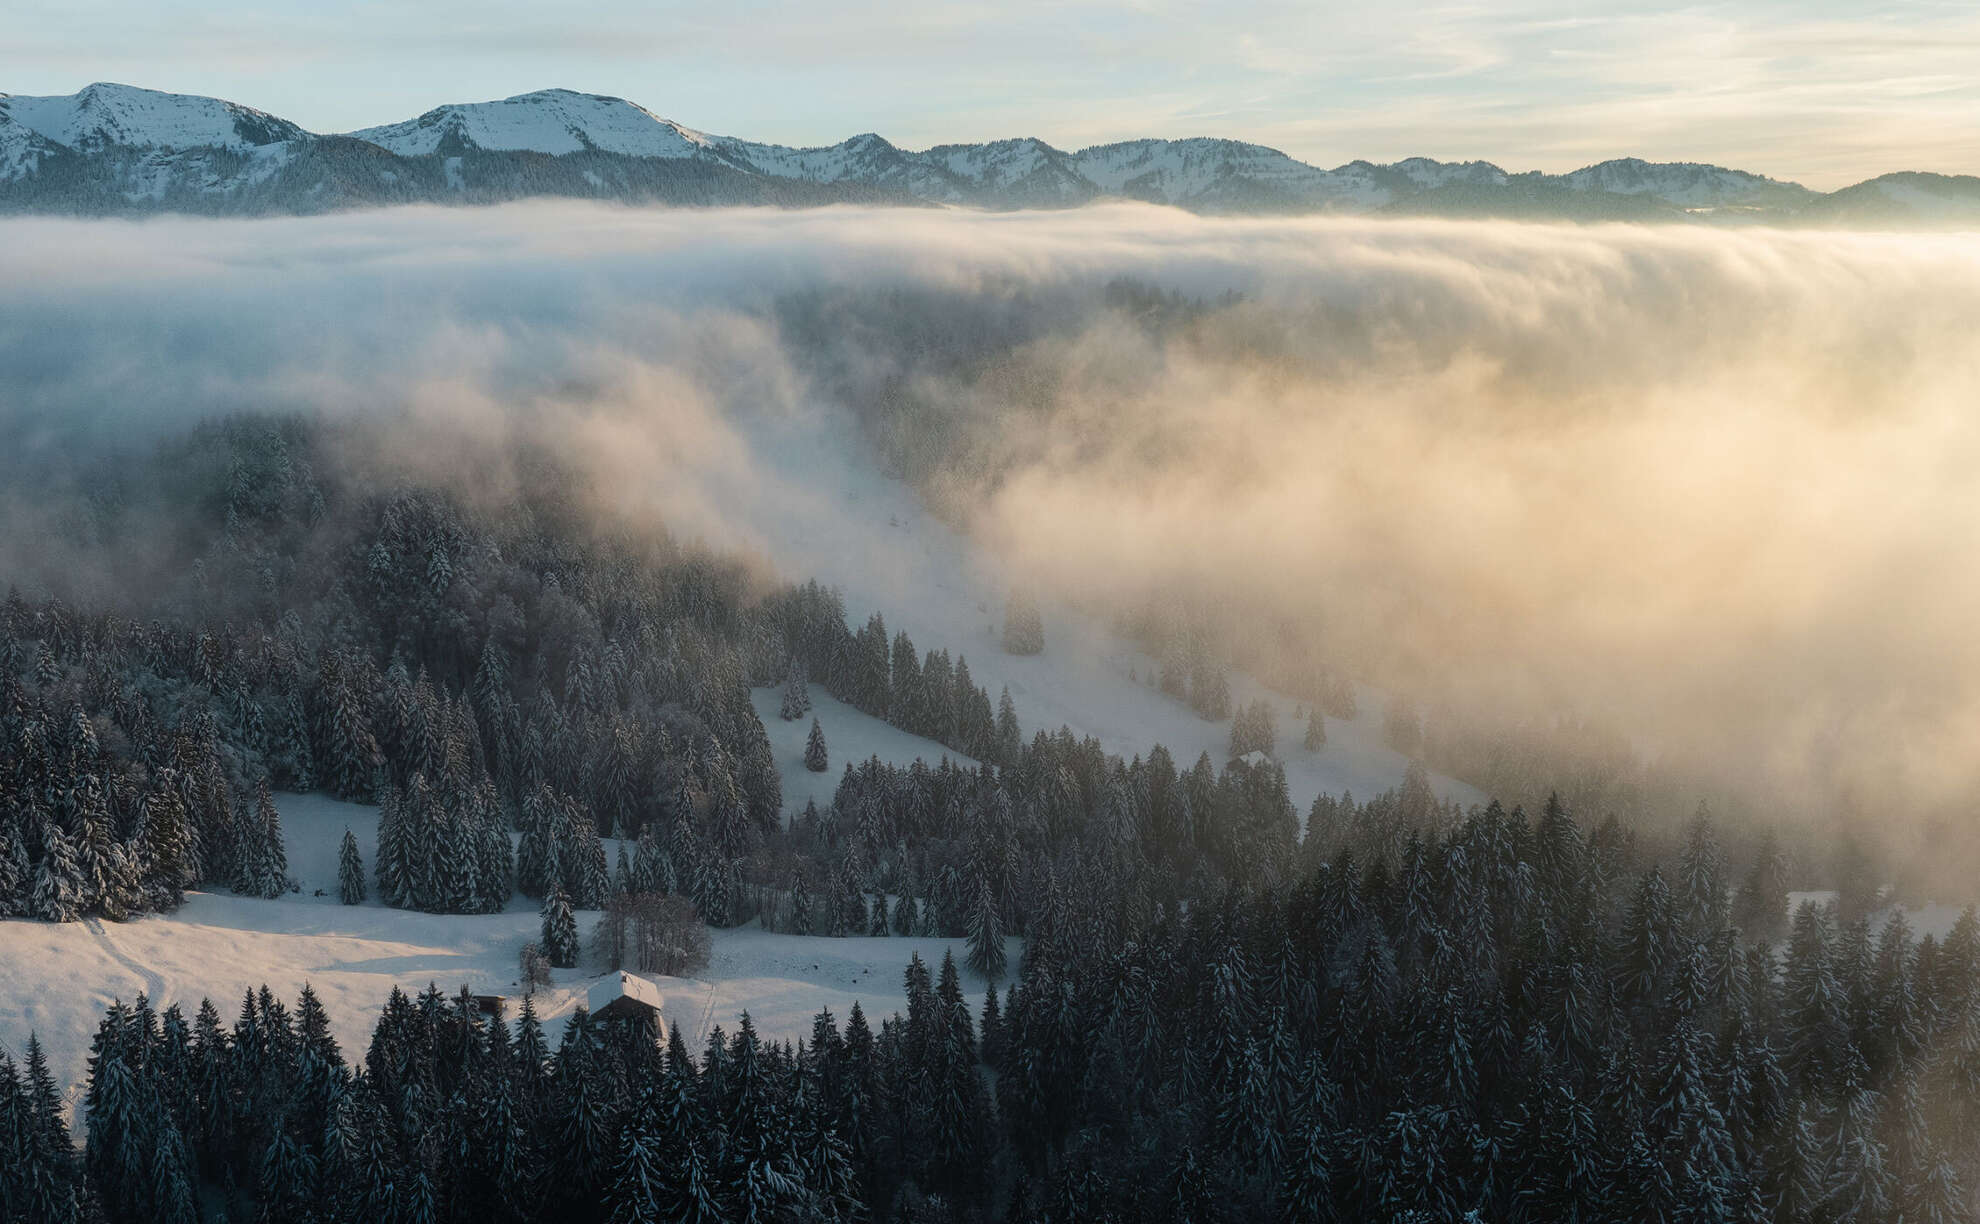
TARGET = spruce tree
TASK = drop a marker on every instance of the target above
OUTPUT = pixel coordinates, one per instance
(58, 886)
(1760, 909)
(15, 880)
(350, 871)
(814, 750)
(638, 1182)
(797, 694)
(986, 936)
(1024, 631)
(1010, 739)
(1316, 730)
(800, 906)
(560, 935)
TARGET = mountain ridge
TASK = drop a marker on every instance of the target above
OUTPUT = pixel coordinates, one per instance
(122, 149)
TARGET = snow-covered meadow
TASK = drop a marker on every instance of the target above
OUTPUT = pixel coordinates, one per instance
(219, 945)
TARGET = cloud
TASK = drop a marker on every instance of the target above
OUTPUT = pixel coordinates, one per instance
(1714, 486)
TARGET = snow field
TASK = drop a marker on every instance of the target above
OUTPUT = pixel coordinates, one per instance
(219, 946)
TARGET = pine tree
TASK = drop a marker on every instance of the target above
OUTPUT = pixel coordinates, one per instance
(986, 936)
(1316, 730)
(262, 867)
(58, 884)
(1024, 631)
(560, 936)
(797, 694)
(1701, 876)
(1010, 739)
(1254, 729)
(1760, 909)
(15, 881)
(814, 750)
(689, 1193)
(350, 871)
(639, 1177)
(800, 906)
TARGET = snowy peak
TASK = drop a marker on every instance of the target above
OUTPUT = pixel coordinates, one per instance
(1685, 184)
(865, 158)
(1200, 169)
(552, 121)
(1425, 172)
(1022, 171)
(107, 115)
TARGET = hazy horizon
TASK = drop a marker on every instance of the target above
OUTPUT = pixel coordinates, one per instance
(1821, 95)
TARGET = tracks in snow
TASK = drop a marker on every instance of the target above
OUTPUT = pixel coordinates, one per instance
(154, 986)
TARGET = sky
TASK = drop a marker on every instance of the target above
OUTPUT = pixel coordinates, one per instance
(1817, 91)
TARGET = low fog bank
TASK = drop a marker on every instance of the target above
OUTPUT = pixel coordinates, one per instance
(1713, 490)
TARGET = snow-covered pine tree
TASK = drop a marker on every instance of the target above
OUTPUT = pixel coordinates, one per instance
(690, 1193)
(1210, 692)
(1024, 631)
(638, 1180)
(1010, 738)
(165, 844)
(58, 887)
(1701, 877)
(350, 871)
(16, 883)
(815, 758)
(560, 934)
(986, 936)
(800, 905)
(1760, 908)
(797, 694)
(1316, 730)
(1254, 729)
(264, 867)
(495, 875)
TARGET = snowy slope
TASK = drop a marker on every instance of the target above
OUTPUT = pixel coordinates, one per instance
(554, 121)
(850, 737)
(104, 115)
(22, 149)
(840, 520)
(219, 946)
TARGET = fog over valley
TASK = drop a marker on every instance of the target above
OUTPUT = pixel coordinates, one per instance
(1708, 489)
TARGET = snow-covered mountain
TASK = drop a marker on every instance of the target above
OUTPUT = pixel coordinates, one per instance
(1688, 184)
(553, 121)
(120, 149)
(105, 116)
(1905, 198)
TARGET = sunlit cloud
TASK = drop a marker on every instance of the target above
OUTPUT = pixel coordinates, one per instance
(1713, 485)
